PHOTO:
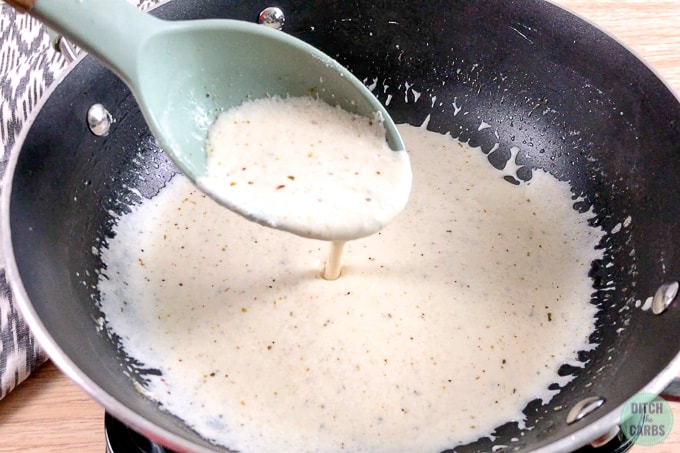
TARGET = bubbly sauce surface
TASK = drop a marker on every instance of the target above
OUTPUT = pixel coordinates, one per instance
(443, 326)
(299, 165)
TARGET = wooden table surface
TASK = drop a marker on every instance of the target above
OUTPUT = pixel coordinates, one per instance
(48, 413)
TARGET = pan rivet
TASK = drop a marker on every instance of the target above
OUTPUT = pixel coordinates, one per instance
(583, 408)
(272, 17)
(99, 120)
(664, 297)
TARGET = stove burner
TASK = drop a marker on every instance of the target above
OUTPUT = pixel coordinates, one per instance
(121, 439)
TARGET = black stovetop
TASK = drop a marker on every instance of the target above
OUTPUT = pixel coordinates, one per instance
(121, 439)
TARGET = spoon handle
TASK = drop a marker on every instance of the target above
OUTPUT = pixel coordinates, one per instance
(114, 31)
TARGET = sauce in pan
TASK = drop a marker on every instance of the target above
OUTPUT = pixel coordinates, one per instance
(443, 325)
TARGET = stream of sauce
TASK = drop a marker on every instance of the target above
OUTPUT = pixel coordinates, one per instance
(443, 325)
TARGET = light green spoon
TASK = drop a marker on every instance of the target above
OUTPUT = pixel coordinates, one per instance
(184, 73)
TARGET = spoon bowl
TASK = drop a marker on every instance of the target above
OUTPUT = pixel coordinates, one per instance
(184, 73)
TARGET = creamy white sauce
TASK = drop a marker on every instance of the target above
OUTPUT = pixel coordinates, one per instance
(299, 165)
(443, 326)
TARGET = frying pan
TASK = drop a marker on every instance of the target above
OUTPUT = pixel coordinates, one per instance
(575, 102)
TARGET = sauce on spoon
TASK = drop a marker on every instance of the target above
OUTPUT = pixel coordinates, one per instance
(300, 165)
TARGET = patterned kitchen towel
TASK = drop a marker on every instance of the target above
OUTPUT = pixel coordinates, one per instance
(28, 66)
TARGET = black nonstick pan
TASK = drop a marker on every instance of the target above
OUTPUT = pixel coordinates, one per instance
(576, 103)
